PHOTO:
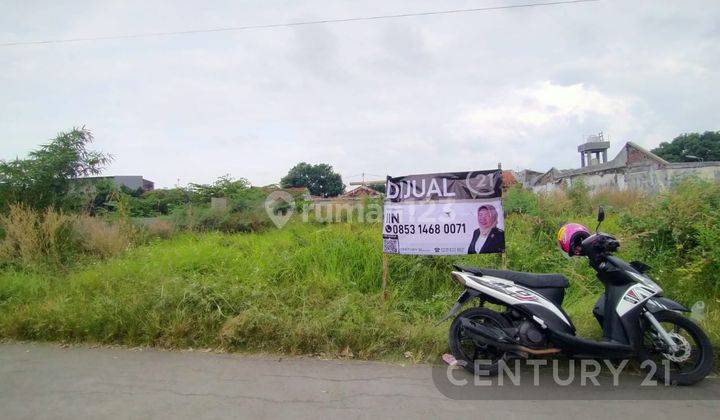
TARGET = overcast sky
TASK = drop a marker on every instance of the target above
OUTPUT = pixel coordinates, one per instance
(398, 96)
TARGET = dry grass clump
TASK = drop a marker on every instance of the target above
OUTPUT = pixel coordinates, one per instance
(99, 237)
(554, 202)
(20, 239)
(29, 237)
(580, 200)
(160, 229)
(618, 199)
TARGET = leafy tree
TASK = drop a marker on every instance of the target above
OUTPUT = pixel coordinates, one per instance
(98, 196)
(161, 201)
(132, 193)
(319, 179)
(44, 178)
(225, 186)
(705, 146)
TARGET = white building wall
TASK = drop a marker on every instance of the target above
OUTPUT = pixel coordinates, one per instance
(647, 178)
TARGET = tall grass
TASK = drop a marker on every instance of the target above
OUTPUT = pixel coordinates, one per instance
(30, 238)
(316, 287)
(299, 290)
(304, 289)
(203, 219)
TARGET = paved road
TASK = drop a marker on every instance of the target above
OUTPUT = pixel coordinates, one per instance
(46, 381)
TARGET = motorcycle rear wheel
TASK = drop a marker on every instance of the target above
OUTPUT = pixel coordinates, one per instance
(466, 352)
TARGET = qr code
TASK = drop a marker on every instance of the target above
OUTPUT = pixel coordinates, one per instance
(390, 245)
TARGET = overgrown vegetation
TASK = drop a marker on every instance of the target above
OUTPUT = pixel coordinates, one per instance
(316, 287)
(680, 232)
(55, 177)
(691, 147)
(32, 239)
(44, 178)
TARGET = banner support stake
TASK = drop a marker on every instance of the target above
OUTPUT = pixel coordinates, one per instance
(384, 275)
(504, 254)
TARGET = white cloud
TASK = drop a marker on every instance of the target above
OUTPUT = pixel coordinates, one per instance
(545, 107)
(540, 125)
(433, 93)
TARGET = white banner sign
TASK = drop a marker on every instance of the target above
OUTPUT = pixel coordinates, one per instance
(444, 214)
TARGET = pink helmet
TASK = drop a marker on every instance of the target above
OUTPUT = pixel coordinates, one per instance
(570, 236)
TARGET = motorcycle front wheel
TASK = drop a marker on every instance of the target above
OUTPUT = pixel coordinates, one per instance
(466, 352)
(693, 359)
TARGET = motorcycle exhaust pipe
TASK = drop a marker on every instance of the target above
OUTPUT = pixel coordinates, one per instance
(498, 338)
(488, 335)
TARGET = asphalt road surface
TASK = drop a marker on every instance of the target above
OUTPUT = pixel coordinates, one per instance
(47, 381)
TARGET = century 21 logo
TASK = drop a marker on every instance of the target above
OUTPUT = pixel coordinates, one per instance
(481, 184)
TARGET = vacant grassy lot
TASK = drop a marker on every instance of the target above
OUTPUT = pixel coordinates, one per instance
(307, 288)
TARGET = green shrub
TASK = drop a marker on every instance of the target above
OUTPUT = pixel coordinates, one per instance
(519, 200)
(679, 230)
(554, 204)
(579, 195)
(225, 186)
(204, 219)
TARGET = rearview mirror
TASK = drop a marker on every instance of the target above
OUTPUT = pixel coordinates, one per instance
(601, 214)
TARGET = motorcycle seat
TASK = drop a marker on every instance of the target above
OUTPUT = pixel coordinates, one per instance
(531, 280)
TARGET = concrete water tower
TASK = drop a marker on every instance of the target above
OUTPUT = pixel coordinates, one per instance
(594, 150)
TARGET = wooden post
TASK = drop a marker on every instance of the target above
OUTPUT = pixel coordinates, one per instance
(503, 255)
(384, 274)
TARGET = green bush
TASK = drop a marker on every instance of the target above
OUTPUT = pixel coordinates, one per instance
(679, 230)
(158, 202)
(519, 200)
(579, 195)
(204, 219)
(225, 186)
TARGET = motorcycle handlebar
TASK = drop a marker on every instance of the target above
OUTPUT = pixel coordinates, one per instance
(599, 245)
